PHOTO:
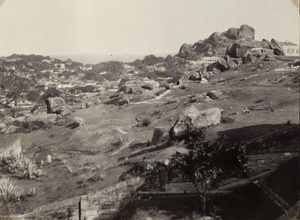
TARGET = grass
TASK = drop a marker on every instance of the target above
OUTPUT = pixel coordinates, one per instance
(18, 163)
(9, 192)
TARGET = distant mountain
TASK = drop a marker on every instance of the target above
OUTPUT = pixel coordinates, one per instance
(97, 58)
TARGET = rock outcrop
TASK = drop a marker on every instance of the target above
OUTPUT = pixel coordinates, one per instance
(157, 136)
(192, 118)
(246, 32)
(57, 105)
(233, 33)
(275, 46)
(240, 47)
(215, 94)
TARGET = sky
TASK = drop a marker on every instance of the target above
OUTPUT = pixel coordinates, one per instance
(137, 27)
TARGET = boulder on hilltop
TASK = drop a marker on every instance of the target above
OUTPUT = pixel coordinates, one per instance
(233, 33)
(191, 118)
(246, 32)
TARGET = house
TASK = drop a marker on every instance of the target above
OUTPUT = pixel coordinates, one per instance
(209, 60)
(290, 48)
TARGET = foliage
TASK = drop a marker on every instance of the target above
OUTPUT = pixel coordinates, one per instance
(13, 87)
(150, 60)
(9, 192)
(146, 122)
(84, 89)
(18, 163)
(153, 214)
(51, 92)
(27, 127)
(204, 164)
(227, 120)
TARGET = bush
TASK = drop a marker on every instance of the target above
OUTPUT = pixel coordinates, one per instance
(146, 122)
(227, 120)
(27, 127)
(18, 163)
(9, 192)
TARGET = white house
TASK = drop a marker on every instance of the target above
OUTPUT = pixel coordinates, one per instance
(290, 48)
(209, 60)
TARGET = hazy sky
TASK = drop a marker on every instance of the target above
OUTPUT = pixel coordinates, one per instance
(63, 27)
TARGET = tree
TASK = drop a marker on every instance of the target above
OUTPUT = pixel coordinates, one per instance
(206, 166)
(13, 87)
(51, 92)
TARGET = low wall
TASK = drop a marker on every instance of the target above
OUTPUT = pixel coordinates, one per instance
(15, 146)
(104, 202)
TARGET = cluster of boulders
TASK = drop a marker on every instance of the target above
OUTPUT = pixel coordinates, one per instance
(234, 47)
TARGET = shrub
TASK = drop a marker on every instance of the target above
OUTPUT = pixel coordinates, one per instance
(149, 214)
(18, 163)
(27, 127)
(227, 120)
(9, 192)
(146, 122)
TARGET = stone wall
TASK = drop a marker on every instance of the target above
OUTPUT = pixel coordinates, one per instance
(104, 202)
(15, 146)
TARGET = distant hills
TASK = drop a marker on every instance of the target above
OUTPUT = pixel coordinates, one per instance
(97, 58)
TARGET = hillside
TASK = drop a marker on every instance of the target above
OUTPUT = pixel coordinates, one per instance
(121, 104)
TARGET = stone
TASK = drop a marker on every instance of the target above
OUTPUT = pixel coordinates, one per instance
(197, 98)
(192, 118)
(232, 33)
(269, 57)
(125, 89)
(9, 129)
(240, 47)
(275, 42)
(216, 71)
(247, 32)
(186, 51)
(157, 136)
(215, 94)
(247, 58)
(148, 87)
(2, 125)
(124, 101)
(194, 76)
(88, 104)
(57, 105)
(274, 45)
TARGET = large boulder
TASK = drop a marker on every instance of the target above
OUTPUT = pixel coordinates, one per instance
(220, 65)
(279, 47)
(193, 75)
(186, 51)
(247, 58)
(157, 135)
(215, 94)
(232, 33)
(191, 118)
(57, 105)
(240, 47)
(274, 45)
(246, 32)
